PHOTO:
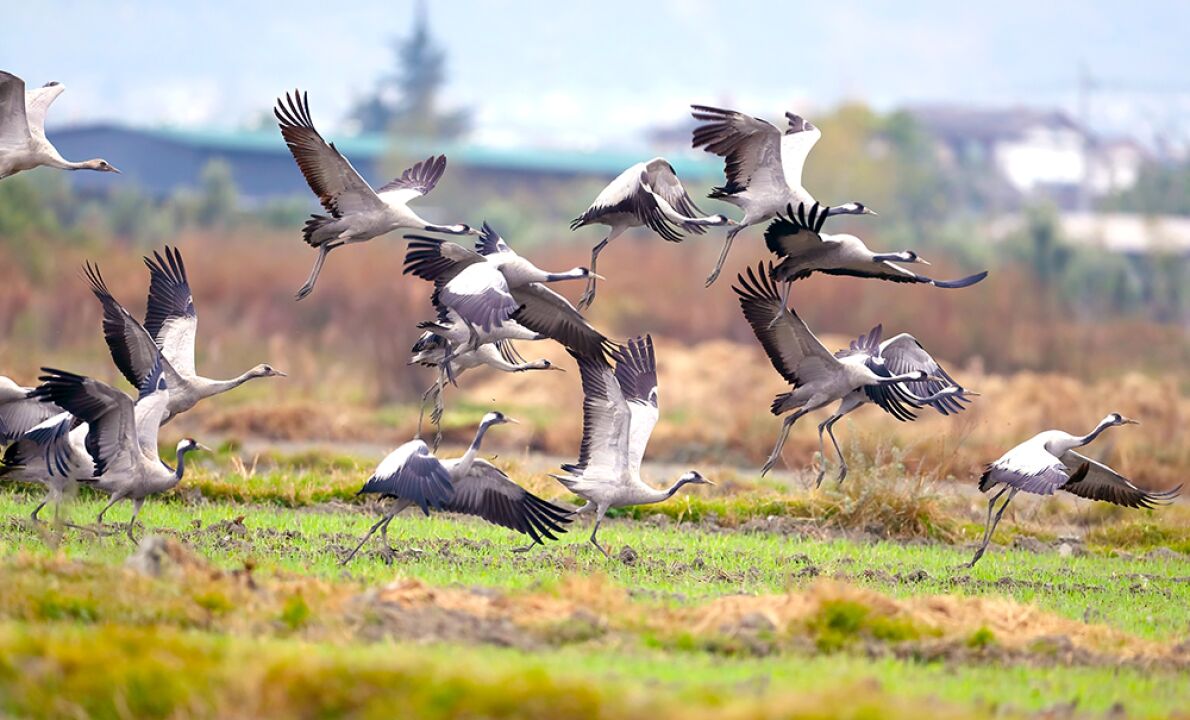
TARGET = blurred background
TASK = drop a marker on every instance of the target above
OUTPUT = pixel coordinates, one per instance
(1045, 142)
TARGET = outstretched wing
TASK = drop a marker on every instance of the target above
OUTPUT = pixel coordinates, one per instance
(108, 413)
(170, 316)
(415, 182)
(661, 178)
(14, 124)
(132, 347)
(1100, 482)
(486, 492)
(338, 186)
(798, 239)
(489, 242)
(750, 146)
(544, 311)
(20, 413)
(793, 350)
(37, 104)
(603, 455)
(412, 473)
(636, 373)
(904, 354)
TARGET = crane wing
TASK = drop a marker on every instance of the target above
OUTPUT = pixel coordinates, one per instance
(892, 272)
(48, 442)
(636, 374)
(415, 182)
(438, 261)
(793, 350)
(750, 146)
(170, 316)
(544, 311)
(603, 455)
(673, 203)
(1029, 467)
(14, 123)
(486, 492)
(330, 176)
(799, 139)
(109, 414)
(904, 354)
(412, 473)
(132, 347)
(20, 413)
(489, 242)
(1100, 482)
(37, 104)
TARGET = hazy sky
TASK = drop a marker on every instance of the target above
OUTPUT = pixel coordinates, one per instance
(584, 73)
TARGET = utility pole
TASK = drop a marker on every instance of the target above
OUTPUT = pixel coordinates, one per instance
(1086, 85)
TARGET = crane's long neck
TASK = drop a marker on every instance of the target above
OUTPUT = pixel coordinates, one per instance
(575, 274)
(464, 464)
(1086, 439)
(663, 495)
(181, 469)
(208, 387)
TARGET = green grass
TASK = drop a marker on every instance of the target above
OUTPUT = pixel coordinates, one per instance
(273, 626)
(677, 562)
(60, 670)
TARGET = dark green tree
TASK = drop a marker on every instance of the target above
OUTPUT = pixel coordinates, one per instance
(407, 101)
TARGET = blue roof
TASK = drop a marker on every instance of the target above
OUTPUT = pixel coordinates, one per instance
(600, 162)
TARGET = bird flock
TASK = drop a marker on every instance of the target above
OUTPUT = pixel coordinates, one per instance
(73, 430)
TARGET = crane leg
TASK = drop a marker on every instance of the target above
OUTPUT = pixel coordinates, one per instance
(784, 305)
(723, 255)
(595, 531)
(99, 520)
(323, 250)
(136, 506)
(781, 438)
(588, 296)
(991, 528)
(382, 522)
(823, 427)
(526, 548)
(830, 430)
(37, 509)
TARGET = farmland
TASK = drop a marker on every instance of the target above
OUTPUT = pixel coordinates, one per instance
(750, 599)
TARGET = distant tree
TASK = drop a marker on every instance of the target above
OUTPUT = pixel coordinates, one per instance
(217, 204)
(407, 100)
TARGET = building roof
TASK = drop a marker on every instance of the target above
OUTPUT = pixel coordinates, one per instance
(954, 123)
(375, 147)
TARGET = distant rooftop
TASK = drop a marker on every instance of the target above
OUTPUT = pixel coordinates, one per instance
(987, 124)
(376, 147)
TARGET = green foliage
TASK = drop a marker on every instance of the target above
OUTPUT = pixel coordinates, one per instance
(981, 638)
(840, 623)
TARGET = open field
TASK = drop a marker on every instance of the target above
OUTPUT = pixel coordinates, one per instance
(748, 599)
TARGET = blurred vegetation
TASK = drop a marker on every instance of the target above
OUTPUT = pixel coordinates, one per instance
(1161, 189)
(406, 100)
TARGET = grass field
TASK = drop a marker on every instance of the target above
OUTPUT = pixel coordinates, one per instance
(753, 599)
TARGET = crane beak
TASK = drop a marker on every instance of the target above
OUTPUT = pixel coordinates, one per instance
(597, 276)
(869, 211)
(970, 393)
(514, 421)
(1130, 421)
(923, 261)
(555, 367)
(200, 446)
(278, 373)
